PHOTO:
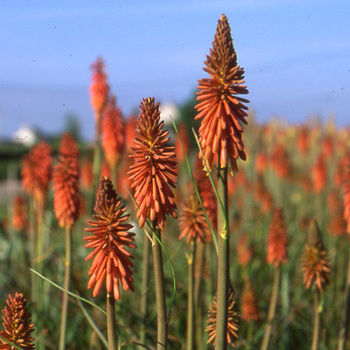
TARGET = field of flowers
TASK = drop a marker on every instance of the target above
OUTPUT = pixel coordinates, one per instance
(230, 234)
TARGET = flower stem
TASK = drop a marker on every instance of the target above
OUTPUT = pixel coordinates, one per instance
(144, 286)
(223, 263)
(162, 321)
(316, 332)
(199, 261)
(66, 283)
(190, 297)
(344, 332)
(272, 308)
(111, 325)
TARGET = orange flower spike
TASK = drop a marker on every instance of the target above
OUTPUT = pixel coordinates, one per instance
(232, 320)
(19, 216)
(346, 193)
(319, 174)
(99, 87)
(315, 261)
(277, 242)
(112, 129)
(185, 143)
(219, 104)
(192, 222)
(249, 301)
(110, 236)
(154, 170)
(17, 324)
(65, 179)
(36, 172)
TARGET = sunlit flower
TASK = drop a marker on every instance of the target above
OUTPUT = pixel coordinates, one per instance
(36, 172)
(232, 320)
(110, 236)
(19, 214)
(65, 179)
(99, 87)
(153, 172)
(277, 242)
(112, 129)
(192, 222)
(17, 324)
(220, 106)
(315, 261)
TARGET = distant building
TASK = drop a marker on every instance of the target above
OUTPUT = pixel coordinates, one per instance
(26, 135)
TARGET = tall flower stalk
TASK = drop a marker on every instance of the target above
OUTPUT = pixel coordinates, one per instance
(67, 199)
(277, 245)
(315, 266)
(222, 111)
(112, 263)
(99, 90)
(193, 227)
(152, 176)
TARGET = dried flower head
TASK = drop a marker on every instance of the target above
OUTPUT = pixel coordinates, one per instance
(277, 242)
(19, 215)
(65, 178)
(249, 303)
(220, 106)
(154, 170)
(99, 87)
(192, 222)
(17, 324)
(112, 262)
(232, 320)
(36, 173)
(112, 129)
(315, 261)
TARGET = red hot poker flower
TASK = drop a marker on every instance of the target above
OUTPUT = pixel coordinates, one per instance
(222, 110)
(192, 222)
(36, 172)
(65, 180)
(277, 242)
(153, 173)
(19, 216)
(99, 87)
(17, 324)
(112, 129)
(110, 237)
(315, 262)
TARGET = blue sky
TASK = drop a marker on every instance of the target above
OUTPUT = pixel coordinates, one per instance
(296, 55)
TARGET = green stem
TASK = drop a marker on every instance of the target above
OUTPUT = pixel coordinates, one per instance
(190, 297)
(162, 320)
(344, 332)
(199, 262)
(272, 308)
(223, 263)
(66, 283)
(114, 175)
(316, 332)
(144, 286)
(111, 325)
